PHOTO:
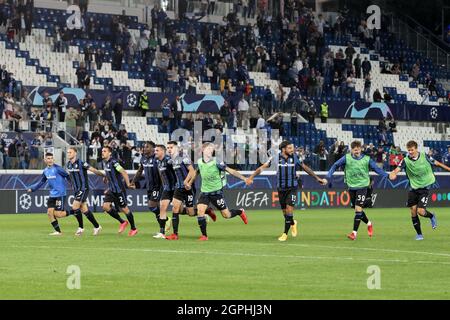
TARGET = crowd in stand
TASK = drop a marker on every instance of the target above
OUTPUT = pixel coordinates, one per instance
(227, 54)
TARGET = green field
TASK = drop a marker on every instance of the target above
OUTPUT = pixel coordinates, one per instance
(239, 262)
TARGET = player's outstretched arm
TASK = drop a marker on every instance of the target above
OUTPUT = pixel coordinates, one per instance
(441, 165)
(377, 169)
(235, 173)
(37, 185)
(257, 172)
(310, 172)
(97, 172)
(393, 174)
(340, 163)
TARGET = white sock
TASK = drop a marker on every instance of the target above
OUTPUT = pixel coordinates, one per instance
(369, 223)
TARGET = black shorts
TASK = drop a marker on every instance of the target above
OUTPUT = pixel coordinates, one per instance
(154, 195)
(186, 196)
(287, 197)
(358, 197)
(418, 198)
(119, 199)
(81, 196)
(167, 195)
(59, 203)
(216, 199)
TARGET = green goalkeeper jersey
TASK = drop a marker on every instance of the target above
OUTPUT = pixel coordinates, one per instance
(419, 171)
(213, 175)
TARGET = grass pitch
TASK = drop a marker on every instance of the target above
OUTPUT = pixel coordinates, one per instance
(239, 262)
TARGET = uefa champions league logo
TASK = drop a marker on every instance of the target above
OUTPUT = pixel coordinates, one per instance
(434, 113)
(25, 201)
(132, 100)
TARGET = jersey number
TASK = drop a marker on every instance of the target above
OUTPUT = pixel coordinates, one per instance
(424, 200)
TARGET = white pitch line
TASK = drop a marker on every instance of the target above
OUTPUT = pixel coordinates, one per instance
(236, 254)
(362, 248)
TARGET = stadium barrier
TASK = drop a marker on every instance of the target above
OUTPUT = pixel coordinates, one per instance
(15, 199)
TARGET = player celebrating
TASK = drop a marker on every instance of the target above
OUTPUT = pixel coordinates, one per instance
(357, 177)
(420, 174)
(55, 176)
(182, 167)
(149, 168)
(213, 180)
(287, 184)
(78, 171)
(168, 180)
(116, 193)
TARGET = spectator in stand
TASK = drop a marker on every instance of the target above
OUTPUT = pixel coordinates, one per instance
(83, 79)
(268, 101)
(225, 114)
(71, 125)
(61, 105)
(377, 96)
(366, 67)
(165, 106)
(34, 152)
(367, 85)
(387, 97)
(207, 122)
(351, 83)
(415, 71)
(177, 110)
(80, 122)
(322, 153)
(392, 125)
(118, 110)
(99, 58)
(143, 102)
(192, 83)
(357, 66)
(254, 114)
(243, 108)
(382, 127)
(93, 113)
(107, 110)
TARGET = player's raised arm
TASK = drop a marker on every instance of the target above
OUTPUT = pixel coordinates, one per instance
(37, 185)
(441, 165)
(310, 172)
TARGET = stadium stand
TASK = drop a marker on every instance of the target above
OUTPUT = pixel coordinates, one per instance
(266, 60)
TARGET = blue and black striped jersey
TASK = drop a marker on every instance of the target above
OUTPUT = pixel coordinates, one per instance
(181, 167)
(151, 173)
(287, 171)
(115, 180)
(78, 172)
(167, 174)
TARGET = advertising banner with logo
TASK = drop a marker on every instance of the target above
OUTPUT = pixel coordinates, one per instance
(265, 181)
(191, 102)
(212, 103)
(405, 112)
(252, 199)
